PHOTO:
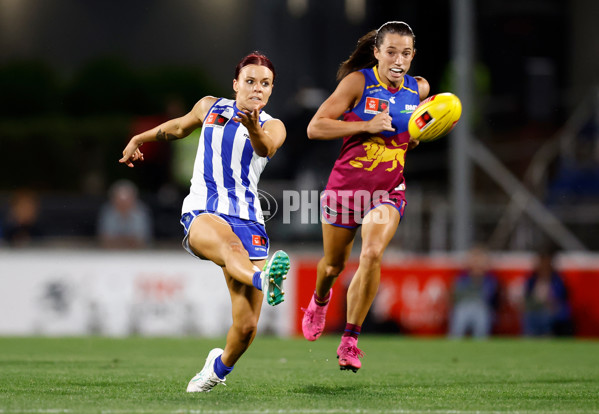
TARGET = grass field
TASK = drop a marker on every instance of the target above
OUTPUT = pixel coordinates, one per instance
(399, 375)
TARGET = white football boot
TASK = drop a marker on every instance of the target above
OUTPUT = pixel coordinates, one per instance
(206, 379)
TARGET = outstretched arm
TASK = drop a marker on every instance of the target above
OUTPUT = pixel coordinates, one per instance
(171, 130)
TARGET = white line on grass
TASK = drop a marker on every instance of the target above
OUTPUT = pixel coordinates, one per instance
(313, 411)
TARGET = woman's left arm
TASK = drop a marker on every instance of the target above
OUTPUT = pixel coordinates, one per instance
(423, 90)
(423, 87)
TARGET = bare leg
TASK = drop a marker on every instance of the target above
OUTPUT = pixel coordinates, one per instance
(211, 237)
(337, 244)
(378, 228)
(246, 304)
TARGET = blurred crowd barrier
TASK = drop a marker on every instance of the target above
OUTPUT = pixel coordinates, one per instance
(414, 297)
(169, 293)
(152, 293)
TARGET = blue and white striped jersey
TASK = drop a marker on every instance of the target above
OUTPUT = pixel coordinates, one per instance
(226, 169)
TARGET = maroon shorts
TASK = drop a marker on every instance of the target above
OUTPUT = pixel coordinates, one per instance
(348, 208)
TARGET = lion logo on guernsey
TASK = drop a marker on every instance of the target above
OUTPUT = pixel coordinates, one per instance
(377, 152)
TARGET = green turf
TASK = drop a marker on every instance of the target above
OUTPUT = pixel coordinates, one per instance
(401, 375)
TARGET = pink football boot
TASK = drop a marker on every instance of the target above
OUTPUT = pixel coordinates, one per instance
(349, 354)
(314, 319)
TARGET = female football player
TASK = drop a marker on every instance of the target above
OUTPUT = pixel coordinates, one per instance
(374, 100)
(221, 216)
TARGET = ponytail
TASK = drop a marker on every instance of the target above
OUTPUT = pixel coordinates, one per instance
(361, 58)
(363, 55)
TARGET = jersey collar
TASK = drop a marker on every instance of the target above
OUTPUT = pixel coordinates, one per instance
(375, 69)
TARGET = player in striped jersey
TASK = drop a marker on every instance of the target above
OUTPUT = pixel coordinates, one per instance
(374, 98)
(222, 216)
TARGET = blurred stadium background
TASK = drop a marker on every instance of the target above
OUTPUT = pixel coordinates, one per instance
(77, 79)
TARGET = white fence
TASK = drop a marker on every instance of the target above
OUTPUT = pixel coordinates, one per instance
(117, 294)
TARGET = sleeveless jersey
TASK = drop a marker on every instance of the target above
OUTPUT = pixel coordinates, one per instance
(376, 162)
(226, 169)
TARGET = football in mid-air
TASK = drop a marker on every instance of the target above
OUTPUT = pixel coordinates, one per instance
(435, 117)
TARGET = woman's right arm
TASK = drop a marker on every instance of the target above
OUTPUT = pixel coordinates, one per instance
(171, 130)
(325, 123)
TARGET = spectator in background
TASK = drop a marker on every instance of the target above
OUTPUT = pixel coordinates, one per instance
(21, 226)
(546, 307)
(475, 296)
(124, 222)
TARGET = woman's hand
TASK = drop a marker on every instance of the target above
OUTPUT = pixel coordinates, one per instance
(131, 153)
(413, 143)
(381, 122)
(248, 119)
(265, 139)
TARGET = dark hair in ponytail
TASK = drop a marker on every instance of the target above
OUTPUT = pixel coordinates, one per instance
(363, 55)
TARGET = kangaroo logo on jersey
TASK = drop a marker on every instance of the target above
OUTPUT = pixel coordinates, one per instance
(377, 152)
(375, 105)
(216, 120)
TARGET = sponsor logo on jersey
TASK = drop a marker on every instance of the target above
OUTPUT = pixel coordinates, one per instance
(409, 109)
(392, 100)
(258, 240)
(216, 120)
(375, 105)
(373, 91)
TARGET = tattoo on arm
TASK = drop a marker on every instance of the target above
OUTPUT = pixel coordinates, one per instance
(165, 137)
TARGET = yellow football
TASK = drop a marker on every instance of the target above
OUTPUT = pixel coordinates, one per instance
(435, 117)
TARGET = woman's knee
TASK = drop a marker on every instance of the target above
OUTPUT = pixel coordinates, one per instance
(371, 255)
(235, 246)
(333, 269)
(246, 329)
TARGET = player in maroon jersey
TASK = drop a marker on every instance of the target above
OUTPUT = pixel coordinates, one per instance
(374, 98)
